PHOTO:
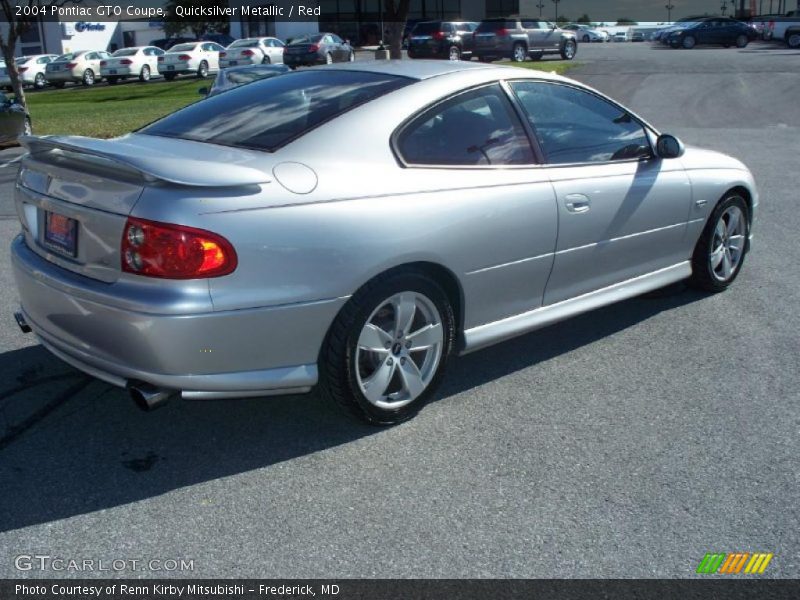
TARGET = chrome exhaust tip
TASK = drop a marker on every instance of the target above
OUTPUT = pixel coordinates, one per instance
(23, 324)
(148, 397)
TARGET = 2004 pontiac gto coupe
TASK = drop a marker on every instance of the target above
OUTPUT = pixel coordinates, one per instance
(355, 225)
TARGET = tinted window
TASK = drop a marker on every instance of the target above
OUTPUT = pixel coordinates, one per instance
(574, 126)
(426, 28)
(474, 128)
(270, 113)
(244, 44)
(496, 25)
(184, 47)
(126, 52)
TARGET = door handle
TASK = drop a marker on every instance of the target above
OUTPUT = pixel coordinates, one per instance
(577, 203)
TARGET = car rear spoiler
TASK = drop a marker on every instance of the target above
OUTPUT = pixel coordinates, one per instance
(215, 167)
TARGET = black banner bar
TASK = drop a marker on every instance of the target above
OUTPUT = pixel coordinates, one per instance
(399, 589)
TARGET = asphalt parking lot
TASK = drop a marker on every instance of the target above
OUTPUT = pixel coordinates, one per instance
(627, 442)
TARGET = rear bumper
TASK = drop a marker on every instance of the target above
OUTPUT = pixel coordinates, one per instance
(63, 77)
(302, 60)
(249, 352)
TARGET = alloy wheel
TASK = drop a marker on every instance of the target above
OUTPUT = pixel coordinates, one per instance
(727, 243)
(399, 349)
(569, 50)
(39, 81)
(519, 53)
(88, 77)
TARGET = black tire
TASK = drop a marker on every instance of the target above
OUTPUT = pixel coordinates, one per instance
(742, 41)
(689, 42)
(453, 53)
(112, 80)
(703, 276)
(793, 38)
(202, 70)
(519, 52)
(144, 74)
(170, 76)
(569, 49)
(338, 368)
(586, 39)
(39, 82)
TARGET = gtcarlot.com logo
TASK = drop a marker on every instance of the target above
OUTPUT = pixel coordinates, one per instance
(734, 563)
(44, 562)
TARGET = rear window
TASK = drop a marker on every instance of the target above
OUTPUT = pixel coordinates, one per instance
(314, 39)
(268, 114)
(126, 52)
(496, 25)
(426, 28)
(244, 44)
(183, 48)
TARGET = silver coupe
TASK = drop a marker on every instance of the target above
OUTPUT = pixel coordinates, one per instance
(353, 226)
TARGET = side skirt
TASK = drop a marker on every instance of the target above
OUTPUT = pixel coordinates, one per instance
(505, 329)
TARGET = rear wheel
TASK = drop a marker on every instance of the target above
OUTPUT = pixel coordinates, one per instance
(202, 70)
(454, 53)
(39, 81)
(387, 350)
(689, 42)
(569, 49)
(742, 41)
(793, 39)
(519, 52)
(88, 77)
(144, 74)
(719, 254)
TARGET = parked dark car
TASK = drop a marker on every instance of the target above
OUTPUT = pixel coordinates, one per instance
(711, 30)
(442, 39)
(232, 77)
(520, 38)
(167, 43)
(319, 49)
(14, 121)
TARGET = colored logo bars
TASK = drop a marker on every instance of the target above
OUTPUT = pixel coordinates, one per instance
(734, 562)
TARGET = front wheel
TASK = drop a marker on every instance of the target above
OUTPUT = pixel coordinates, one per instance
(328, 58)
(388, 348)
(352, 57)
(202, 70)
(39, 81)
(689, 42)
(568, 50)
(454, 53)
(586, 39)
(719, 253)
(144, 74)
(793, 40)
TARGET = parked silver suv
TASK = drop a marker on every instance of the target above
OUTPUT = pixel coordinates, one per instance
(520, 38)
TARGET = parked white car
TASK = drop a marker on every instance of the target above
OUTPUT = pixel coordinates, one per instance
(139, 61)
(75, 67)
(31, 70)
(252, 51)
(622, 36)
(199, 58)
(585, 33)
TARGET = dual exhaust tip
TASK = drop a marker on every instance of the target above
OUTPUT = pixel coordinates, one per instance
(145, 396)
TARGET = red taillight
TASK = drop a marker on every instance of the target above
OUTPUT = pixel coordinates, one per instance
(71, 65)
(22, 69)
(501, 32)
(313, 48)
(184, 57)
(160, 59)
(103, 63)
(439, 35)
(171, 251)
(248, 53)
(126, 61)
(223, 54)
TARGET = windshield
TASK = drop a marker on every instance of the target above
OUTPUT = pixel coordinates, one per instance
(126, 52)
(183, 48)
(268, 114)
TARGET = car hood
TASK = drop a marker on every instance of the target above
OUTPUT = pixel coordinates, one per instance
(183, 162)
(700, 158)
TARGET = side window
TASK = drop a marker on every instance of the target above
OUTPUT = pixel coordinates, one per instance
(337, 39)
(474, 128)
(529, 25)
(575, 126)
(91, 56)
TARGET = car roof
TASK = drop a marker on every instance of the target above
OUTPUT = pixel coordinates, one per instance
(428, 69)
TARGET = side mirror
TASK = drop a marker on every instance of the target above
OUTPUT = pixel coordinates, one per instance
(203, 91)
(668, 146)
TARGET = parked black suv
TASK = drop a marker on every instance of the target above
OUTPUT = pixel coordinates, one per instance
(520, 38)
(442, 39)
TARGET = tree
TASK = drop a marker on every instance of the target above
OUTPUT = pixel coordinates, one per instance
(626, 21)
(584, 18)
(562, 19)
(18, 26)
(395, 14)
(174, 26)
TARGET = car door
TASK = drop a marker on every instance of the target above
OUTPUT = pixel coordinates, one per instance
(151, 57)
(276, 50)
(472, 150)
(536, 35)
(622, 211)
(338, 47)
(12, 120)
(211, 55)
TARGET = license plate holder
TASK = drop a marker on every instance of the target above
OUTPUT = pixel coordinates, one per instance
(61, 234)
